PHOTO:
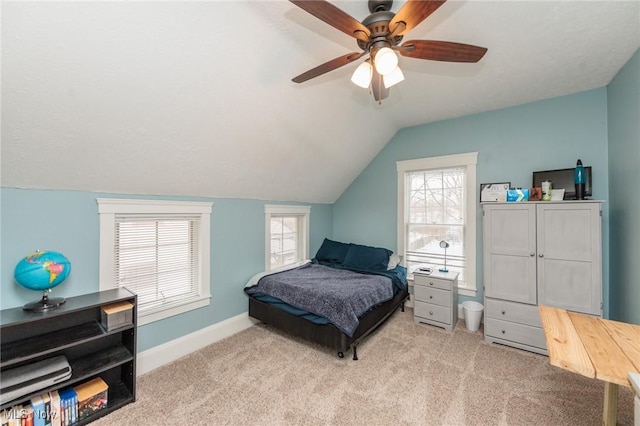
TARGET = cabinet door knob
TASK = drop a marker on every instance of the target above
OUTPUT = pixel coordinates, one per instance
(503, 312)
(541, 255)
(532, 254)
(503, 332)
(430, 312)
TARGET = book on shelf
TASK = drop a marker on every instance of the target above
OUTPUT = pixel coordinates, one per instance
(47, 409)
(68, 405)
(117, 315)
(92, 396)
(27, 415)
(39, 415)
(55, 408)
(14, 416)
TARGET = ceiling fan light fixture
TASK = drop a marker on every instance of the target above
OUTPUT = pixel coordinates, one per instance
(362, 75)
(393, 78)
(385, 61)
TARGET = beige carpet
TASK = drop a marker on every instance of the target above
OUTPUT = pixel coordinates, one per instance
(407, 375)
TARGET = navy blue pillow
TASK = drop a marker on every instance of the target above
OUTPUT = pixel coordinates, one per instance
(367, 258)
(332, 251)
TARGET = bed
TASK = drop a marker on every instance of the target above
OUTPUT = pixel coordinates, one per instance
(336, 299)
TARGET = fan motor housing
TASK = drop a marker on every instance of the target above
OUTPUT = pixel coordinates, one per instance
(378, 5)
(378, 25)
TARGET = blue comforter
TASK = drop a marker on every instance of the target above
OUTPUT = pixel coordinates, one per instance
(339, 295)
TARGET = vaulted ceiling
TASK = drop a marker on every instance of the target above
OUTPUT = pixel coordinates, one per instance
(196, 98)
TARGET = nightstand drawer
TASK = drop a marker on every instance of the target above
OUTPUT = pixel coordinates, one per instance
(428, 281)
(432, 295)
(519, 333)
(432, 312)
(513, 311)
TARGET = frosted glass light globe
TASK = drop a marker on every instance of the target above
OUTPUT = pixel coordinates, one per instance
(385, 61)
(393, 78)
(362, 75)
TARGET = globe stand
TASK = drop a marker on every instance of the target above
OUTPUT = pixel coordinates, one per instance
(44, 304)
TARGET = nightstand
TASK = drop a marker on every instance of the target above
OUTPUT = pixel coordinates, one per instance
(436, 298)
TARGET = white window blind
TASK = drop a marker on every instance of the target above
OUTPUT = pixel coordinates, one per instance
(157, 258)
(158, 249)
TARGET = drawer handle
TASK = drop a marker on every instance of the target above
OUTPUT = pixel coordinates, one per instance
(430, 312)
(430, 297)
(503, 332)
(430, 283)
(503, 312)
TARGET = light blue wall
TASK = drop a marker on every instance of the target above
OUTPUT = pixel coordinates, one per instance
(511, 144)
(68, 222)
(623, 94)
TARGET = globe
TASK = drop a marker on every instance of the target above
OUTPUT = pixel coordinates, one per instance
(42, 270)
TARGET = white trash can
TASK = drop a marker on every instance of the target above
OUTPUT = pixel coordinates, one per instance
(472, 314)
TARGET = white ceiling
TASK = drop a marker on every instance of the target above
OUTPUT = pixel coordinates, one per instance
(196, 98)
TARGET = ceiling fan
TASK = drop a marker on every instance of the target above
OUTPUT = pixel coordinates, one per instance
(379, 35)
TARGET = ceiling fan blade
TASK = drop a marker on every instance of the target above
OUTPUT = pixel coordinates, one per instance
(377, 87)
(335, 17)
(327, 66)
(412, 13)
(446, 51)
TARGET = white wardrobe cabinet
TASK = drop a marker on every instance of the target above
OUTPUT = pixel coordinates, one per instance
(539, 253)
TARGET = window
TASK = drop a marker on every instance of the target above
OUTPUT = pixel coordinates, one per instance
(158, 250)
(287, 235)
(436, 202)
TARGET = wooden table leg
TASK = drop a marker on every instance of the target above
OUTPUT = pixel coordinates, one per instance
(610, 412)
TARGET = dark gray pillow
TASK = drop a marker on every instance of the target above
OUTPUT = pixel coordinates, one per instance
(332, 251)
(367, 258)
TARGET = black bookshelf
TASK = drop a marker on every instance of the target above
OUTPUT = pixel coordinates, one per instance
(75, 331)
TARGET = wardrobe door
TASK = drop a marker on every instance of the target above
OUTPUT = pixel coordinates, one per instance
(510, 252)
(569, 253)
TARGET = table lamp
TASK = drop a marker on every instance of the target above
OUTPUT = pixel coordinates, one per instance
(444, 245)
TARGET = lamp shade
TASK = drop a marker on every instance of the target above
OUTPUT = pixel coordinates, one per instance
(393, 78)
(385, 61)
(362, 75)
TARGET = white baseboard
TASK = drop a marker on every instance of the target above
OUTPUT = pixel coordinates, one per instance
(177, 348)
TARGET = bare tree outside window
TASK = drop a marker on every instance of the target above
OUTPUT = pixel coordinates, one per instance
(436, 213)
(287, 234)
(284, 240)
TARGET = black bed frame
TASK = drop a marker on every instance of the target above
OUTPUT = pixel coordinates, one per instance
(326, 335)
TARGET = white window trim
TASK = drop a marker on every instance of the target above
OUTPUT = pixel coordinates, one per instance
(469, 160)
(273, 209)
(109, 207)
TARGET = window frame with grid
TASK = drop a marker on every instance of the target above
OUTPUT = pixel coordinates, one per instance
(460, 229)
(300, 214)
(159, 250)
